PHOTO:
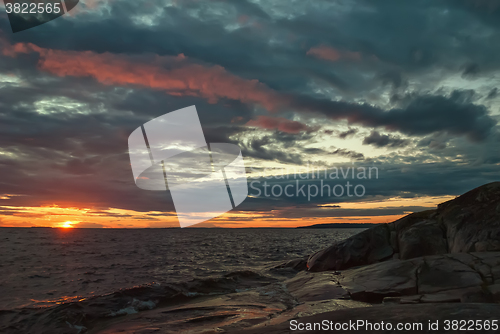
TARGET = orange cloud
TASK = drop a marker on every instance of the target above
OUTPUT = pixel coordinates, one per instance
(278, 123)
(58, 216)
(174, 75)
(327, 53)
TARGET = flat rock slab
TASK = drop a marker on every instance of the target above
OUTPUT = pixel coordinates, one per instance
(441, 273)
(264, 306)
(374, 282)
(203, 315)
(309, 287)
(449, 276)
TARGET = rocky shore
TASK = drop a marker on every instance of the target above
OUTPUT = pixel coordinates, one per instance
(435, 265)
(426, 268)
(468, 223)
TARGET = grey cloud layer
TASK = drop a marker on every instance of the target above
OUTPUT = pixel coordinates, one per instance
(78, 153)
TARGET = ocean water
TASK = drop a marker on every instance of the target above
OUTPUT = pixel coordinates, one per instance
(43, 267)
(69, 281)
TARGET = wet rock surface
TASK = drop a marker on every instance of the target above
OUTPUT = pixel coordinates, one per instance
(370, 246)
(438, 278)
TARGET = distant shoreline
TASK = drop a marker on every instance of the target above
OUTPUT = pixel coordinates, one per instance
(340, 225)
(332, 225)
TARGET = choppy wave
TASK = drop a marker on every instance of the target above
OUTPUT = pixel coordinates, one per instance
(82, 277)
(79, 315)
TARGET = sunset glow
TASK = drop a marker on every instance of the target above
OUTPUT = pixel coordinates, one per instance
(407, 126)
(67, 224)
(347, 212)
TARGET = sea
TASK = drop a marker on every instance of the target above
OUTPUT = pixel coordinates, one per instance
(43, 268)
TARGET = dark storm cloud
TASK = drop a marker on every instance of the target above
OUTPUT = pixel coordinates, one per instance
(313, 150)
(335, 213)
(259, 148)
(348, 153)
(72, 151)
(424, 115)
(394, 180)
(347, 133)
(80, 166)
(176, 32)
(433, 143)
(382, 140)
(394, 78)
(77, 152)
(493, 93)
(471, 71)
(487, 11)
(270, 146)
(423, 33)
(280, 69)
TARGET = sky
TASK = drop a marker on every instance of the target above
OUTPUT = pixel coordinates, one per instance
(306, 89)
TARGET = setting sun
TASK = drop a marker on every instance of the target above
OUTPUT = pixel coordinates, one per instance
(67, 224)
